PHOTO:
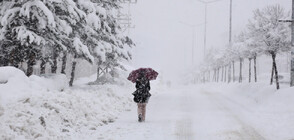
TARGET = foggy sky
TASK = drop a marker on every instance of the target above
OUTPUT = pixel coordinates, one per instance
(164, 40)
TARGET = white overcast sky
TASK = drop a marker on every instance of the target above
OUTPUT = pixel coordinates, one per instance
(165, 43)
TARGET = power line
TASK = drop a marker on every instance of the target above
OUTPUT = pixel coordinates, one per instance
(191, 25)
(125, 19)
(170, 20)
(205, 20)
(207, 2)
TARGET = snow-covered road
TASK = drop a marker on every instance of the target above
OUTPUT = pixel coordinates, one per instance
(44, 108)
(183, 114)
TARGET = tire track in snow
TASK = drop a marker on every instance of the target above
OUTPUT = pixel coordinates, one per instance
(184, 130)
(183, 126)
(246, 132)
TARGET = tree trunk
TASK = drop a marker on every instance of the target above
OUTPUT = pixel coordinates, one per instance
(292, 59)
(272, 75)
(209, 76)
(276, 71)
(72, 72)
(217, 75)
(225, 76)
(30, 69)
(64, 58)
(43, 67)
(292, 48)
(249, 70)
(255, 71)
(1, 61)
(204, 77)
(213, 76)
(222, 74)
(13, 62)
(240, 74)
(206, 73)
(4, 61)
(30, 63)
(98, 73)
(12, 59)
(233, 71)
(54, 65)
(229, 72)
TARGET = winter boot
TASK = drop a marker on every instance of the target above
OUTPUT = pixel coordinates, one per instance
(140, 118)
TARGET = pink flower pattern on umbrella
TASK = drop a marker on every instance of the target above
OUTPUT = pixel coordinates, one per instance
(149, 73)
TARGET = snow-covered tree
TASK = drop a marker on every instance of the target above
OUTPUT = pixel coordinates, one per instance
(26, 28)
(238, 48)
(253, 48)
(275, 36)
(104, 38)
(45, 30)
(38, 29)
(209, 63)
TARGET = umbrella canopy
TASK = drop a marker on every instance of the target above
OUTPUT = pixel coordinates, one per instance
(148, 73)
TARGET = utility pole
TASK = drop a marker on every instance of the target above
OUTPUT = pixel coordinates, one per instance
(193, 44)
(292, 45)
(230, 42)
(205, 26)
(125, 19)
(205, 29)
(230, 30)
(193, 27)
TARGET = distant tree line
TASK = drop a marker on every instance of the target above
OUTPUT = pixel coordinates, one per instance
(264, 35)
(49, 31)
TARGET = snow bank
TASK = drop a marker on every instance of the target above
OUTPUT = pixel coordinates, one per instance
(10, 75)
(71, 114)
(44, 108)
(49, 82)
(14, 84)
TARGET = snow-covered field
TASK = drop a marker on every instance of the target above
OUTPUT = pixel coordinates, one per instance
(45, 108)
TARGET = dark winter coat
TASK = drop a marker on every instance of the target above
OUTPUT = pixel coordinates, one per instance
(142, 95)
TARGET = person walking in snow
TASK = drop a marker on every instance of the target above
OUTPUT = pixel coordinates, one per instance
(142, 95)
(141, 77)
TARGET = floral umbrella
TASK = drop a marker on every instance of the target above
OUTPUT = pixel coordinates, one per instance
(149, 73)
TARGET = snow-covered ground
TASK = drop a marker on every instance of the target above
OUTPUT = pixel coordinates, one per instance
(211, 112)
(268, 111)
(45, 108)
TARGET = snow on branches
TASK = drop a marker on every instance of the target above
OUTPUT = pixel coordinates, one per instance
(263, 35)
(82, 49)
(36, 9)
(273, 36)
(85, 29)
(27, 37)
